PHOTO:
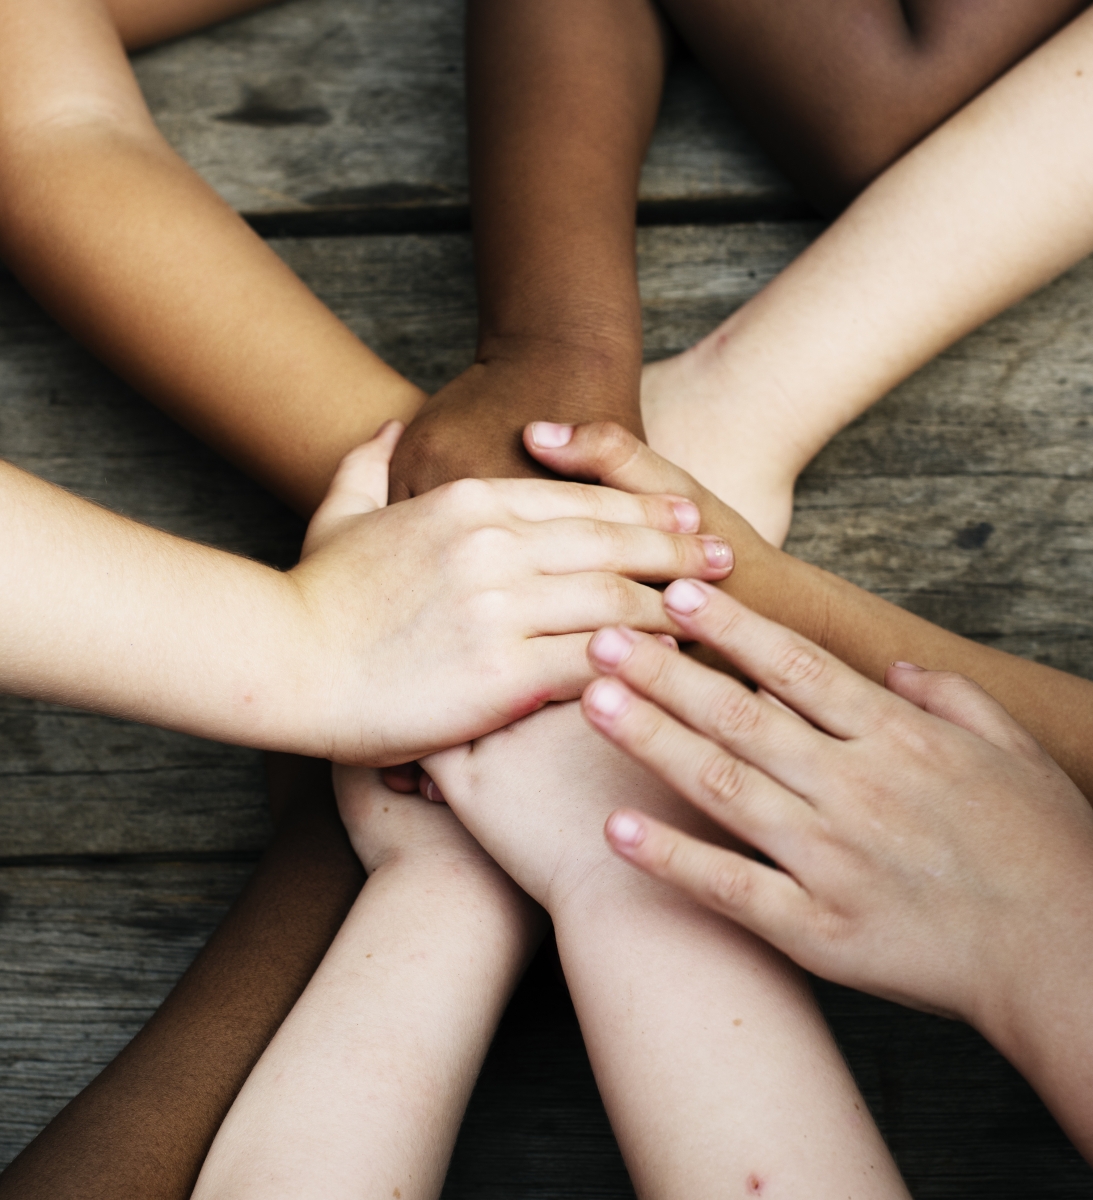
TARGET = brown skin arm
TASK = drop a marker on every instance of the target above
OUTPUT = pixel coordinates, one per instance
(143, 1127)
(838, 90)
(132, 252)
(562, 100)
(863, 630)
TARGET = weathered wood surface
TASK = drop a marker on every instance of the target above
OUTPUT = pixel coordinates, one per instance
(355, 107)
(88, 954)
(997, 433)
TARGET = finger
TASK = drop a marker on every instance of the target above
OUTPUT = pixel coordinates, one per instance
(429, 789)
(360, 482)
(609, 454)
(766, 901)
(719, 707)
(962, 701)
(581, 603)
(403, 779)
(566, 546)
(814, 683)
(743, 800)
(545, 500)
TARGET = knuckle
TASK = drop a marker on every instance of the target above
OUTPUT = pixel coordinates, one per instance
(722, 779)
(728, 888)
(469, 496)
(489, 542)
(734, 714)
(797, 664)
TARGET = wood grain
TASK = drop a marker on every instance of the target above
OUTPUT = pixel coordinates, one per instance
(356, 106)
(966, 495)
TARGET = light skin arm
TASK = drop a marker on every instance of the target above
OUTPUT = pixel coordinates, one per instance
(991, 206)
(321, 659)
(363, 1089)
(713, 1062)
(854, 625)
(929, 850)
(130, 250)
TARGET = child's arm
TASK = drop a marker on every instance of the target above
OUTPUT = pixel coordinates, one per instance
(930, 852)
(362, 1091)
(715, 1067)
(143, 1127)
(856, 626)
(562, 101)
(136, 255)
(991, 206)
(395, 621)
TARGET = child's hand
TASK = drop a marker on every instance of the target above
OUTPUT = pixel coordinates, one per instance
(926, 848)
(536, 795)
(386, 828)
(436, 620)
(471, 429)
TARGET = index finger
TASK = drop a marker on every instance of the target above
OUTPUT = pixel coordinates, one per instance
(549, 499)
(833, 696)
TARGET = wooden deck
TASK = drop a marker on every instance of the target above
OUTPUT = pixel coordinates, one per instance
(336, 127)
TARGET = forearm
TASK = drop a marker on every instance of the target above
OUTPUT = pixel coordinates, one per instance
(562, 102)
(144, 1126)
(363, 1089)
(991, 206)
(869, 633)
(139, 258)
(196, 639)
(714, 1063)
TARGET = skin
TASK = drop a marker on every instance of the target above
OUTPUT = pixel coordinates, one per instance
(713, 1062)
(362, 1090)
(988, 208)
(504, 582)
(925, 847)
(143, 1127)
(862, 630)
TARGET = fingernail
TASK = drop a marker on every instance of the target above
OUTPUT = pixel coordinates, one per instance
(432, 792)
(688, 517)
(607, 697)
(624, 830)
(550, 436)
(612, 646)
(666, 639)
(905, 666)
(718, 553)
(684, 596)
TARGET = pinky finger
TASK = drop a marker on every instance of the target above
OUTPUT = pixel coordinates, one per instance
(761, 898)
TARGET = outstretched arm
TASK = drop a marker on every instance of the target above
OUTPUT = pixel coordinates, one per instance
(714, 1064)
(562, 101)
(130, 250)
(856, 626)
(362, 1091)
(929, 850)
(990, 207)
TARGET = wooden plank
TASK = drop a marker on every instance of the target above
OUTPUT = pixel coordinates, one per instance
(356, 106)
(85, 958)
(86, 955)
(997, 433)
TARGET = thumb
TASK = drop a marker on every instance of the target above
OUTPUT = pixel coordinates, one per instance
(962, 701)
(359, 485)
(606, 453)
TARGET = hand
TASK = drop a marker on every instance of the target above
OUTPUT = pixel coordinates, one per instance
(926, 848)
(536, 795)
(437, 620)
(471, 429)
(386, 828)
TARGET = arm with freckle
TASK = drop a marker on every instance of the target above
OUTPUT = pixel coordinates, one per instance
(714, 1064)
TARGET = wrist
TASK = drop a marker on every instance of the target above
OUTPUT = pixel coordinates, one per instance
(586, 376)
